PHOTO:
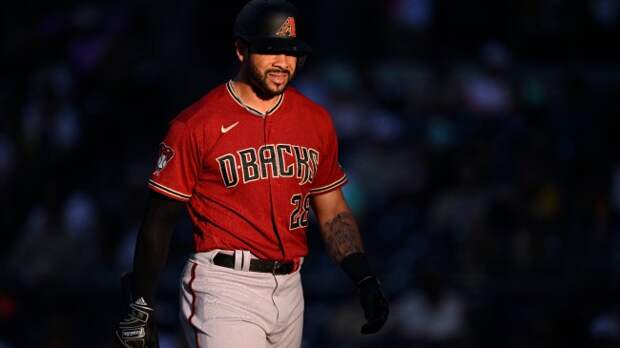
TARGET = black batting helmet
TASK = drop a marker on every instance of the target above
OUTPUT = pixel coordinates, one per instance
(270, 26)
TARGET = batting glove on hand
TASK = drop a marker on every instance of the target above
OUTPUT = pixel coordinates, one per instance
(374, 303)
(137, 329)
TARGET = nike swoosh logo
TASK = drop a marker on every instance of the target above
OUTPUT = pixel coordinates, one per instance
(226, 129)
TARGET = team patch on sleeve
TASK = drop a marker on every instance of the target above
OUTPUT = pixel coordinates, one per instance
(166, 153)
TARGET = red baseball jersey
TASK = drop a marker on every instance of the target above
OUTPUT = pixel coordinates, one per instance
(246, 176)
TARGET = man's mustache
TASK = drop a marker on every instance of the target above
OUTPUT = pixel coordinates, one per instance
(278, 71)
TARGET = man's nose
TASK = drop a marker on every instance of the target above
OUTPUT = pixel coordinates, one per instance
(281, 61)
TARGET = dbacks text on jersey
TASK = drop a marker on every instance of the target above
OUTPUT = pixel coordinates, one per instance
(275, 160)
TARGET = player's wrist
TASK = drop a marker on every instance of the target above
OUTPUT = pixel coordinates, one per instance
(142, 287)
(144, 298)
(134, 292)
(357, 267)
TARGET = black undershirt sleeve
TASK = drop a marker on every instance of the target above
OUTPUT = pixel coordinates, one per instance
(153, 242)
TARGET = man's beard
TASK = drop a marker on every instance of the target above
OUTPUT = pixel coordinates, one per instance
(259, 83)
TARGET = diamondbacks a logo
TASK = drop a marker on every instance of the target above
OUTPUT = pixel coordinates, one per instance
(287, 29)
(165, 155)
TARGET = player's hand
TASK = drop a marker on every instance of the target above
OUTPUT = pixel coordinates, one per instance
(137, 329)
(375, 305)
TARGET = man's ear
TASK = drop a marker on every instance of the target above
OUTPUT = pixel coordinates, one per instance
(241, 49)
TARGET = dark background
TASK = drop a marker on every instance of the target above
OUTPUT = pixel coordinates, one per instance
(480, 138)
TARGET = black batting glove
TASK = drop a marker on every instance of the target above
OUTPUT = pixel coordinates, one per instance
(374, 303)
(137, 329)
(372, 299)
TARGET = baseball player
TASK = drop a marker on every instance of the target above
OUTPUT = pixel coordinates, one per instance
(248, 161)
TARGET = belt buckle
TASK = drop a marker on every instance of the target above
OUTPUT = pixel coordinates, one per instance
(276, 266)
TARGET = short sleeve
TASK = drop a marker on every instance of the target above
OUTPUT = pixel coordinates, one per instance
(330, 174)
(178, 163)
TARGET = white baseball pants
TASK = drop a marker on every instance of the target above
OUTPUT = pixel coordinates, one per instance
(226, 308)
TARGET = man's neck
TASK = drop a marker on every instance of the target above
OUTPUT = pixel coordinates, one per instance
(250, 97)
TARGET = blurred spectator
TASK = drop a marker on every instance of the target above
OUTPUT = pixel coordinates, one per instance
(431, 315)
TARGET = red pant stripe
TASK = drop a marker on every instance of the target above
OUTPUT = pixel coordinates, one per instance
(191, 289)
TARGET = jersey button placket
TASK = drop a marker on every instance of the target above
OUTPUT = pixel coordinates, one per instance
(268, 123)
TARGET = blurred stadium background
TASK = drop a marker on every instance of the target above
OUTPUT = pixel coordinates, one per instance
(481, 139)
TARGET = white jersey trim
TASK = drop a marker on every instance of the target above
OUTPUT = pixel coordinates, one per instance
(236, 98)
(168, 191)
(333, 185)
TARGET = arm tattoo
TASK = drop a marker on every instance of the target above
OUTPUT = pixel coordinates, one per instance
(341, 236)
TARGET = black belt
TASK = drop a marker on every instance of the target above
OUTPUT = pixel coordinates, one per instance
(256, 265)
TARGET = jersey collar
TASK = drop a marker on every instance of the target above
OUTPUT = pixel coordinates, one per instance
(237, 99)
